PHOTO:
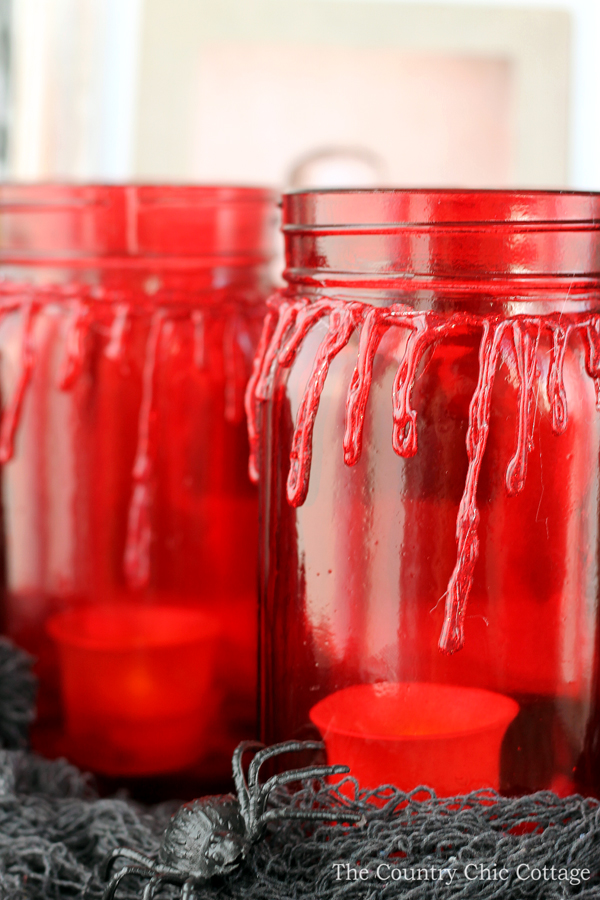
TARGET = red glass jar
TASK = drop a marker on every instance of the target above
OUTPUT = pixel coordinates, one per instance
(426, 396)
(129, 317)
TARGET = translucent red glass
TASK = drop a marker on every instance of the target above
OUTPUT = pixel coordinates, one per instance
(129, 317)
(426, 397)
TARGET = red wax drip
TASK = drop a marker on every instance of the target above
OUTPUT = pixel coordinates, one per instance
(342, 322)
(371, 333)
(266, 379)
(74, 359)
(452, 636)
(11, 415)
(251, 398)
(404, 433)
(288, 323)
(88, 305)
(307, 317)
(556, 385)
(592, 354)
(526, 355)
(116, 346)
(139, 527)
(235, 371)
(199, 342)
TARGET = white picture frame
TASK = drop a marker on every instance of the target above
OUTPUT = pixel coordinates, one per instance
(535, 43)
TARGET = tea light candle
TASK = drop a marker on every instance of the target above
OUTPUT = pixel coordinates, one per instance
(407, 734)
(137, 685)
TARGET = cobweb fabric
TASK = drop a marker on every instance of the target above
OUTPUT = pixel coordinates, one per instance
(55, 831)
(18, 689)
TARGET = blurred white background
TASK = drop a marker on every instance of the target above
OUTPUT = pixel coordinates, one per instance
(295, 92)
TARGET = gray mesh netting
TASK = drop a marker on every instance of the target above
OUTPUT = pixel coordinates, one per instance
(18, 688)
(54, 832)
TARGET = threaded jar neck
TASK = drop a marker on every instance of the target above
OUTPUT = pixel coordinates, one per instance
(496, 242)
(128, 233)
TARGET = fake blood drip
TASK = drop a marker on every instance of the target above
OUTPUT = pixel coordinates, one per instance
(11, 414)
(115, 349)
(74, 360)
(198, 325)
(139, 528)
(236, 360)
(236, 352)
(517, 337)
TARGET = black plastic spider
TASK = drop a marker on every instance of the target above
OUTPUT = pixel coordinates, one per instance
(212, 836)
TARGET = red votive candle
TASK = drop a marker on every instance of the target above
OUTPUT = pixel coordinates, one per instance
(138, 685)
(445, 736)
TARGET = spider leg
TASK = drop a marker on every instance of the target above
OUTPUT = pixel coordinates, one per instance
(123, 853)
(301, 775)
(110, 891)
(166, 871)
(313, 815)
(167, 876)
(151, 887)
(188, 889)
(268, 752)
(241, 785)
(294, 775)
(256, 800)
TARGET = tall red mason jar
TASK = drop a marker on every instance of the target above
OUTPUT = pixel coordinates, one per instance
(128, 321)
(425, 428)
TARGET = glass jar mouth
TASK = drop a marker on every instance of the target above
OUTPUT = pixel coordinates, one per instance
(421, 238)
(157, 225)
(372, 209)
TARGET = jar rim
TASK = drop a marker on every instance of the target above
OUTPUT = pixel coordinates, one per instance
(384, 236)
(401, 207)
(96, 225)
(436, 206)
(92, 191)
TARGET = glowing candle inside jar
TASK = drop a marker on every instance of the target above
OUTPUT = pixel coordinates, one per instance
(407, 734)
(137, 685)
